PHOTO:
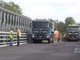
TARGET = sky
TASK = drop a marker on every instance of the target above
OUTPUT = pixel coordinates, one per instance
(46, 9)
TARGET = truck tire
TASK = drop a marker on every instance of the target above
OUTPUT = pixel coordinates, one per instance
(34, 41)
(48, 40)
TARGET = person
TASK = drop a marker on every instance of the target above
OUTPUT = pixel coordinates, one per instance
(64, 37)
(18, 35)
(11, 36)
(56, 35)
(60, 37)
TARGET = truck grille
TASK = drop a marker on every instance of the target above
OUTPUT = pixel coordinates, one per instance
(40, 35)
(73, 37)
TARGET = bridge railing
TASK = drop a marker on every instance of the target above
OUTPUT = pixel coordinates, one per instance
(4, 37)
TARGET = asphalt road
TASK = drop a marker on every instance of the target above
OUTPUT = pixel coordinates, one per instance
(59, 51)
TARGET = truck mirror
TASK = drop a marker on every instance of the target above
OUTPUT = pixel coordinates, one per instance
(30, 25)
(52, 32)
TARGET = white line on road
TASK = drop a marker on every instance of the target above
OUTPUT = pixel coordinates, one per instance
(77, 50)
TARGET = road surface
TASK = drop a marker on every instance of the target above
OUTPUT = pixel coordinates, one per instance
(59, 51)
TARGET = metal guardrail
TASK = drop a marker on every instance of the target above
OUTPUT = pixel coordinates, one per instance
(4, 37)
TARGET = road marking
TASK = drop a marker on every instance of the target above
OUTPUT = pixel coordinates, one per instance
(77, 50)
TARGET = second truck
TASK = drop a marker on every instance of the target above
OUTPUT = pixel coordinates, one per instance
(73, 33)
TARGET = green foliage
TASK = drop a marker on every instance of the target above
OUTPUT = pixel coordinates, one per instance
(1, 3)
(69, 20)
(63, 26)
(60, 26)
(11, 6)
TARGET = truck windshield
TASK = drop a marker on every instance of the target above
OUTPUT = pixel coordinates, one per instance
(75, 28)
(40, 25)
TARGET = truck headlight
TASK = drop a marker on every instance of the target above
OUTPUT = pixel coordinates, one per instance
(76, 33)
(32, 35)
(36, 31)
(44, 31)
(69, 33)
(48, 36)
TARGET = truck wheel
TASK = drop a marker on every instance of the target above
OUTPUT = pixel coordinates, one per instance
(29, 40)
(52, 40)
(34, 41)
(48, 40)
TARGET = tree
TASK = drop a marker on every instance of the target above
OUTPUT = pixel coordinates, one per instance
(69, 20)
(61, 26)
(11, 6)
(1, 3)
(15, 8)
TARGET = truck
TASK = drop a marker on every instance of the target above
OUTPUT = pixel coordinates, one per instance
(73, 32)
(42, 29)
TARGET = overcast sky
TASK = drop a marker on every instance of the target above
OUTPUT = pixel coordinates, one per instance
(55, 9)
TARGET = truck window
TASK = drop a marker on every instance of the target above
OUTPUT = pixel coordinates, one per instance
(38, 25)
(73, 28)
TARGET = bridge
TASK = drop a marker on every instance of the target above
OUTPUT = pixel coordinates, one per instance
(8, 20)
